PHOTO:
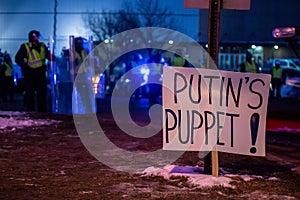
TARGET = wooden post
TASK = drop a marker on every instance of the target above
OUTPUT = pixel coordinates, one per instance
(214, 7)
(215, 163)
(214, 29)
(213, 50)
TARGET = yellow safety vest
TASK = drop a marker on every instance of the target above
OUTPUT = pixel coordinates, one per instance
(277, 73)
(177, 61)
(250, 67)
(9, 69)
(80, 58)
(35, 59)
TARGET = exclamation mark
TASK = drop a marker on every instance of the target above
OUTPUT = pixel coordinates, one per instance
(254, 122)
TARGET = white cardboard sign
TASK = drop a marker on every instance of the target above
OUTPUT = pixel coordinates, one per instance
(206, 110)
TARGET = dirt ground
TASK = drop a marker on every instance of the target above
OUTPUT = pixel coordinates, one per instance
(50, 162)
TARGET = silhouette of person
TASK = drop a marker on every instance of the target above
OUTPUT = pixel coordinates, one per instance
(82, 84)
(32, 56)
(7, 78)
(276, 80)
(249, 65)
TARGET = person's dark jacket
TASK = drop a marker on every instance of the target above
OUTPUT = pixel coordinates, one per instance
(22, 53)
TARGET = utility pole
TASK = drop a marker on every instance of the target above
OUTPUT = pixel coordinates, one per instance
(54, 26)
(52, 43)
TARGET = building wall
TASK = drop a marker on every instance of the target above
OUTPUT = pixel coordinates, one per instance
(282, 52)
(256, 24)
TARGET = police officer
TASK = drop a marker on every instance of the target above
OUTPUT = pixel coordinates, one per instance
(32, 56)
(177, 60)
(80, 55)
(7, 78)
(276, 80)
(249, 65)
(81, 73)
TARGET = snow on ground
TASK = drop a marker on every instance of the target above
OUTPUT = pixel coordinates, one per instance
(19, 119)
(194, 174)
(197, 178)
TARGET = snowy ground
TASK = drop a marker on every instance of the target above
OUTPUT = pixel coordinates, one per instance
(42, 157)
(196, 177)
(12, 120)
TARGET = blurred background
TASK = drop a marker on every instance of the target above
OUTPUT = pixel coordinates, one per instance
(59, 21)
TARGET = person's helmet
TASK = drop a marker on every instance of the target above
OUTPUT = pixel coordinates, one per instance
(78, 39)
(30, 34)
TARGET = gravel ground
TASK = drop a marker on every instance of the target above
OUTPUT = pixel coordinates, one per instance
(51, 162)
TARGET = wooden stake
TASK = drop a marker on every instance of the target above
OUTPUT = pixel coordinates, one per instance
(215, 163)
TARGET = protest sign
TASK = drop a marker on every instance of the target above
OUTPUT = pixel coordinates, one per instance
(206, 110)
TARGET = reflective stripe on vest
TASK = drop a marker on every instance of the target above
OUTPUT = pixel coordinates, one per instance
(276, 73)
(35, 59)
(9, 69)
(250, 67)
(80, 59)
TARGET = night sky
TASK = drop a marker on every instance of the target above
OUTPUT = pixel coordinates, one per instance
(19, 17)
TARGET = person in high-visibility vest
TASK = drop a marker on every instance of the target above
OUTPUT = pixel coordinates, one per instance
(178, 60)
(80, 55)
(276, 80)
(83, 83)
(249, 65)
(32, 56)
(7, 79)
